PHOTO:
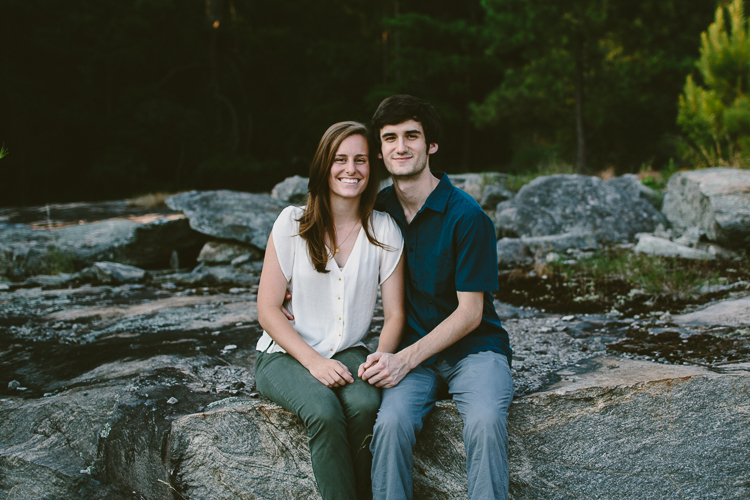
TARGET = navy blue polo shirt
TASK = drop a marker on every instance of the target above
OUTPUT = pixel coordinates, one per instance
(449, 247)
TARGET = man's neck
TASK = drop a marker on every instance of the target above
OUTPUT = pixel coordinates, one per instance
(412, 192)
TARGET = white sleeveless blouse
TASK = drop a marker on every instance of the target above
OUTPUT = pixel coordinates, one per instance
(332, 311)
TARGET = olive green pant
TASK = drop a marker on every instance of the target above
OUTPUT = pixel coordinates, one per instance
(339, 420)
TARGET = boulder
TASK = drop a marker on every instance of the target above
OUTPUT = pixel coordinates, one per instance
(714, 200)
(221, 252)
(291, 190)
(560, 243)
(621, 428)
(476, 184)
(616, 428)
(512, 252)
(494, 194)
(629, 183)
(652, 245)
(112, 273)
(559, 204)
(27, 252)
(230, 215)
(735, 312)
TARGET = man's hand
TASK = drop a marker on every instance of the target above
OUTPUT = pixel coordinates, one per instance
(330, 372)
(383, 370)
(287, 298)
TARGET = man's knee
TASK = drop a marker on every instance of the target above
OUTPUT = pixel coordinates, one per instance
(486, 423)
(392, 423)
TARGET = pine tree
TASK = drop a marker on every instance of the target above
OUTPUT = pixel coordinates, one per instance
(715, 116)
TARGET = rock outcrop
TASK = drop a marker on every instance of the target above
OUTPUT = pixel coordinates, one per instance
(559, 204)
(653, 245)
(629, 183)
(27, 252)
(714, 200)
(292, 190)
(627, 429)
(727, 312)
(230, 215)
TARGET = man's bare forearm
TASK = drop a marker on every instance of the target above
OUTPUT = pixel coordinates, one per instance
(465, 319)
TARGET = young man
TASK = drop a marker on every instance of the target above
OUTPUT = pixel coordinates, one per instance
(453, 340)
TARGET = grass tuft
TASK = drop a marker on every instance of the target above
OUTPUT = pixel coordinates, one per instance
(654, 275)
(151, 200)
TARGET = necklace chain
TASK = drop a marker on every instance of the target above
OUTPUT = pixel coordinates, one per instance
(347, 237)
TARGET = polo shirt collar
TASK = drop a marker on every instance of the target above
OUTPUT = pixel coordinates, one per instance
(437, 200)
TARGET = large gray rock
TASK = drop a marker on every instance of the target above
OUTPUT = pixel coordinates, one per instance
(559, 204)
(231, 215)
(494, 194)
(734, 312)
(112, 273)
(630, 184)
(714, 200)
(560, 243)
(291, 190)
(615, 428)
(512, 252)
(611, 429)
(27, 252)
(651, 245)
(220, 252)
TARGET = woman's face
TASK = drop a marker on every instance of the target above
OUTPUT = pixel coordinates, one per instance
(351, 168)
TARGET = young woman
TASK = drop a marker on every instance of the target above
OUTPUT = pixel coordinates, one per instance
(332, 254)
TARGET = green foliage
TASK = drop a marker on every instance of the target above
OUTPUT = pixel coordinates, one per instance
(652, 274)
(3, 151)
(715, 116)
(634, 57)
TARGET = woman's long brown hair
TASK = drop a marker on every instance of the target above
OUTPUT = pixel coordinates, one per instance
(317, 221)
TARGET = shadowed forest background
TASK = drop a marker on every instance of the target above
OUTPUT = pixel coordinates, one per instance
(103, 99)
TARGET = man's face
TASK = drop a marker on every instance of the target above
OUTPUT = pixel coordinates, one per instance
(404, 149)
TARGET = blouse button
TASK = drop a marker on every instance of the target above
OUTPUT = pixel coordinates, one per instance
(339, 319)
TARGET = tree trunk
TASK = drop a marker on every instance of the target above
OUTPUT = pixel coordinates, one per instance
(581, 166)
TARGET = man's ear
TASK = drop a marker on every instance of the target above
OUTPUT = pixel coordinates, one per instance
(380, 155)
(433, 148)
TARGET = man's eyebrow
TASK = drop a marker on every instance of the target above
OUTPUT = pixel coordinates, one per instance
(415, 131)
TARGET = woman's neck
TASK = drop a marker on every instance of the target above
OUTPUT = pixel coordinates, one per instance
(345, 211)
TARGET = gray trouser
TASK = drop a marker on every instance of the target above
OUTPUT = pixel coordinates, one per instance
(482, 388)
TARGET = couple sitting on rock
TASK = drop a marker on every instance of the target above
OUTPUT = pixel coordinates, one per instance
(431, 249)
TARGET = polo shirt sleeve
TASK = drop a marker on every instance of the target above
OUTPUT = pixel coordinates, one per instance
(285, 229)
(388, 234)
(476, 254)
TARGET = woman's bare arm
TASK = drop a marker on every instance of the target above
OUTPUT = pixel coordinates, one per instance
(271, 293)
(392, 293)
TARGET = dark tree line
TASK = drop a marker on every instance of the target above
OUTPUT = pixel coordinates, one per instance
(108, 99)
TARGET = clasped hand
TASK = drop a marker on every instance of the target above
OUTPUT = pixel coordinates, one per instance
(383, 370)
(330, 372)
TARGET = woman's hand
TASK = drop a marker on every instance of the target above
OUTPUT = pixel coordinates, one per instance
(330, 372)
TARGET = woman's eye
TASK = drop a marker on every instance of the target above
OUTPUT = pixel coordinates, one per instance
(340, 160)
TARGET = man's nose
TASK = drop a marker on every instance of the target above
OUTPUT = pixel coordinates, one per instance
(401, 145)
